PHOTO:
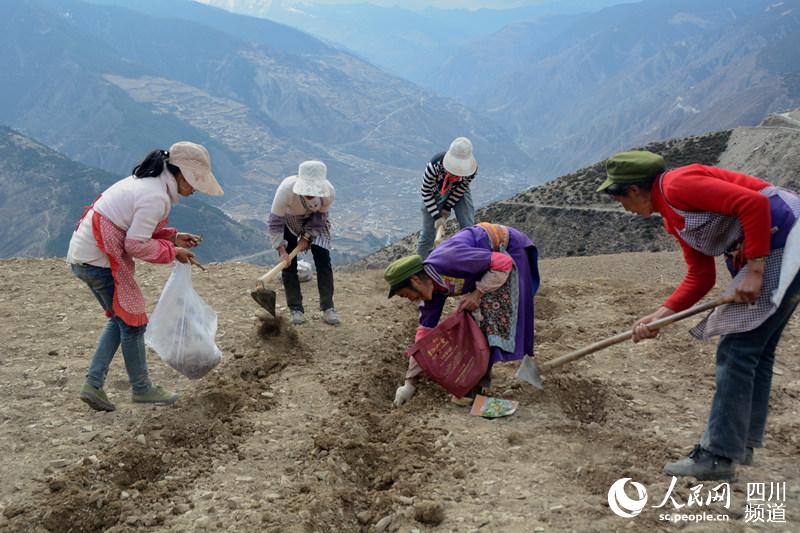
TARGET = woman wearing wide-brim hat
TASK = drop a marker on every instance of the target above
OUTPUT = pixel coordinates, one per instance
(126, 222)
(299, 218)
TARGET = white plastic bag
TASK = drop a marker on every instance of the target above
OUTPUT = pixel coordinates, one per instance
(182, 327)
(304, 271)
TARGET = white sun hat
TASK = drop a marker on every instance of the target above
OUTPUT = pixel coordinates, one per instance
(312, 179)
(195, 165)
(459, 160)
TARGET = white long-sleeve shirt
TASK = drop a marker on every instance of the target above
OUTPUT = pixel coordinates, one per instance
(136, 205)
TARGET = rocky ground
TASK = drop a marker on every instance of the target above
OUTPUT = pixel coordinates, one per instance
(295, 430)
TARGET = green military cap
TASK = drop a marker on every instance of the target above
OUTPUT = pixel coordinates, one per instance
(632, 167)
(398, 273)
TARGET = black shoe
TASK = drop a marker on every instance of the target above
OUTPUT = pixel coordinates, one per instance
(703, 465)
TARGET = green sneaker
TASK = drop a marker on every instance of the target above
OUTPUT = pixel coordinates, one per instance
(95, 398)
(156, 394)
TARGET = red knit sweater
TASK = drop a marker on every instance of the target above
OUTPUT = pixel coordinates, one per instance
(700, 188)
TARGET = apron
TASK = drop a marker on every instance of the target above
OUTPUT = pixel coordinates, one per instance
(714, 234)
(498, 309)
(128, 301)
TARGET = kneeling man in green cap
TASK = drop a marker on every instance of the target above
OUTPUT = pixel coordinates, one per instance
(716, 212)
(493, 268)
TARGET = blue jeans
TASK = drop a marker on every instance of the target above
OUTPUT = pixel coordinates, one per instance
(465, 214)
(744, 378)
(116, 333)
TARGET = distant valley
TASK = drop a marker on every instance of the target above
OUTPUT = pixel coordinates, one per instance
(104, 84)
(541, 90)
(575, 81)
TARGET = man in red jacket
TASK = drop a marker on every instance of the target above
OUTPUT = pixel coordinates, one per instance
(714, 212)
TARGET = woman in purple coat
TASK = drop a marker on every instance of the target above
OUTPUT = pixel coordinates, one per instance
(494, 268)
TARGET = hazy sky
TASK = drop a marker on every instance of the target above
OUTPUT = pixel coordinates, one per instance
(419, 4)
(470, 4)
(263, 6)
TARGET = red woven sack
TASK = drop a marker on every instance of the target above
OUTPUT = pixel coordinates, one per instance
(454, 354)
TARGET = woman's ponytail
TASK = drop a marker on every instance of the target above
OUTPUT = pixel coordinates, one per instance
(152, 165)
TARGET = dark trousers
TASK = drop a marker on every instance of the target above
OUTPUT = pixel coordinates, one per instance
(291, 283)
(744, 378)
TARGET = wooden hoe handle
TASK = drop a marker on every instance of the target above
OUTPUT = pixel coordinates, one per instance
(621, 337)
(280, 266)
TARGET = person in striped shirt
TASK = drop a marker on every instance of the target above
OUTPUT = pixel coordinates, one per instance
(445, 188)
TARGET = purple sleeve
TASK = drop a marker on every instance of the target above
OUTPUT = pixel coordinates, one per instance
(460, 257)
(276, 224)
(431, 311)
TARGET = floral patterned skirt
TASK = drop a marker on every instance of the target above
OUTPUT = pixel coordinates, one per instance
(498, 314)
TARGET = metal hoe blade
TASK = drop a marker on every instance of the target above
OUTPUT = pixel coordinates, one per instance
(265, 298)
(528, 371)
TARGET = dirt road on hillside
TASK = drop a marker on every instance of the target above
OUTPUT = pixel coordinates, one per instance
(296, 432)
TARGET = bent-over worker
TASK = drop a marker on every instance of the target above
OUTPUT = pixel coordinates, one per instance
(494, 268)
(713, 212)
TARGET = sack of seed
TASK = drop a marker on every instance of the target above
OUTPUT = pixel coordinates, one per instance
(182, 327)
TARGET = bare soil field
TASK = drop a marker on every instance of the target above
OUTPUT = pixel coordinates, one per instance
(295, 430)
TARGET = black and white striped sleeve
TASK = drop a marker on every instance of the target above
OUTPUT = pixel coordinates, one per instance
(458, 191)
(432, 172)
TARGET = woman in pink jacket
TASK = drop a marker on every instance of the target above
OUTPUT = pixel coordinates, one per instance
(129, 221)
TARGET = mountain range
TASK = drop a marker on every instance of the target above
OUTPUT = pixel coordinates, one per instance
(104, 83)
(575, 81)
(44, 192)
(411, 43)
(576, 88)
(567, 217)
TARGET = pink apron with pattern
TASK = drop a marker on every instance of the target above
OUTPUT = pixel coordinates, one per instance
(128, 300)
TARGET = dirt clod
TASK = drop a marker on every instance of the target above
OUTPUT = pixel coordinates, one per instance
(271, 326)
(429, 513)
(515, 438)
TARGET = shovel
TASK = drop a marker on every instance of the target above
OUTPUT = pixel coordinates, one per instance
(530, 372)
(266, 297)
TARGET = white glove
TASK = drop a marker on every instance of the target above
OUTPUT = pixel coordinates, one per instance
(440, 222)
(403, 394)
